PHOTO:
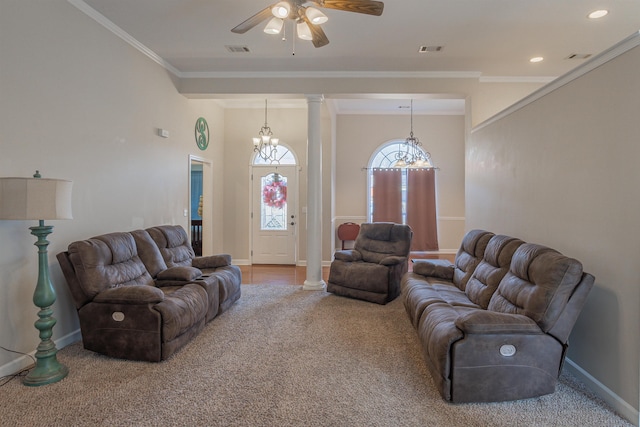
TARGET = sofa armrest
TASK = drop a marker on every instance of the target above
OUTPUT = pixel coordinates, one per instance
(491, 322)
(440, 268)
(349, 255)
(141, 294)
(212, 261)
(180, 273)
(393, 260)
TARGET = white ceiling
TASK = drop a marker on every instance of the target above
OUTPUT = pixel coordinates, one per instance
(493, 38)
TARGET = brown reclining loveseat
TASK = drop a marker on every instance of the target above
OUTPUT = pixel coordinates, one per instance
(143, 295)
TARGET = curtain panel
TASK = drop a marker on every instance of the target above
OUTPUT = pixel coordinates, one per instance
(421, 209)
(386, 194)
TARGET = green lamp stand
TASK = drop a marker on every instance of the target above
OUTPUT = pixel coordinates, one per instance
(47, 370)
(39, 199)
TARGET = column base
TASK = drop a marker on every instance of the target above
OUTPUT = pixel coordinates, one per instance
(314, 286)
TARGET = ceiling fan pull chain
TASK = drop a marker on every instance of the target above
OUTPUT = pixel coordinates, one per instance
(293, 49)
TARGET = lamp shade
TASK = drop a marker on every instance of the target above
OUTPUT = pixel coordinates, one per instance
(304, 32)
(274, 26)
(316, 16)
(35, 198)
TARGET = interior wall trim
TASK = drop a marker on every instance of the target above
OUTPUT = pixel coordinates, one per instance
(109, 25)
(22, 362)
(616, 402)
(613, 52)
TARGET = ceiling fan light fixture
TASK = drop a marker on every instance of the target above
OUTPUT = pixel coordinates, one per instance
(281, 9)
(304, 32)
(274, 26)
(316, 16)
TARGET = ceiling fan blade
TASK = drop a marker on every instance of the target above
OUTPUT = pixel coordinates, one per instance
(318, 37)
(369, 7)
(245, 26)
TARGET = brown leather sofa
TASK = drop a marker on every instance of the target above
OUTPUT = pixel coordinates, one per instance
(143, 295)
(495, 324)
(372, 270)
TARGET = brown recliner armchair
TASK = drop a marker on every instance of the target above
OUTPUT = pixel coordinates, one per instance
(372, 270)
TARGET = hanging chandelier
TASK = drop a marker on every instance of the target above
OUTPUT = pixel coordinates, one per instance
(410, 153)
(265, 144)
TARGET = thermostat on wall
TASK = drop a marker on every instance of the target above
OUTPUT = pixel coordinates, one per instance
(163, 133)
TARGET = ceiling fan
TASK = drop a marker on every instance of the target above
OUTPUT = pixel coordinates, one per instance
(308, 18)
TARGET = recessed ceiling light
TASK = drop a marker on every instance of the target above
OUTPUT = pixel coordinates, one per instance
(598, 14)
(536, 59)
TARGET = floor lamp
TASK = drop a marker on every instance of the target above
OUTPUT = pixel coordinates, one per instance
(39, 199)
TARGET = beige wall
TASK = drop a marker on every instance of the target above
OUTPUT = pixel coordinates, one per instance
(78, 103)
(359, 136)
(562, 171)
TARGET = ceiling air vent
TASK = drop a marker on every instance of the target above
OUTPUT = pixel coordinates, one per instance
(238, 49)
(578, 56)
(425, 49)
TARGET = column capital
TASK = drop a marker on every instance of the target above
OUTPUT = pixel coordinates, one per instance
(315, 98)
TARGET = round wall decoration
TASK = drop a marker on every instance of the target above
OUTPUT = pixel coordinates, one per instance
(202, 133)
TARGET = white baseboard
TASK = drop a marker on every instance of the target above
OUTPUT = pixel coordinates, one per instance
(616, 402)
(22, 362)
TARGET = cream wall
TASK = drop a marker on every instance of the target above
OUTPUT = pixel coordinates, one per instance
(562, 171)
(359, 136)
(78, 103)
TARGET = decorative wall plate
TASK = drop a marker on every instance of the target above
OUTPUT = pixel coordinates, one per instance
(202, 133)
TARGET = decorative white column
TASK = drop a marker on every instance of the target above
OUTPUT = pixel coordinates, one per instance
(314, 280)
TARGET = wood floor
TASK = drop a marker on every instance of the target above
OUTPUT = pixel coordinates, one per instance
(293, 275)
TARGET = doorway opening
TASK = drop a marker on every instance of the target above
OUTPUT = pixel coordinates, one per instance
(200, 213)
(274, 209)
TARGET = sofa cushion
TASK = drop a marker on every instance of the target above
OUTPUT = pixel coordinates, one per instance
(538, 285)
(494, 266)
(107, 261)
(182, 307)
(148, 252)
(173, 244)
(469, 256)
(377, 241)
(420, 292)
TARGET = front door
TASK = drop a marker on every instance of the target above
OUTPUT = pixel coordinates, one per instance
(274, 214)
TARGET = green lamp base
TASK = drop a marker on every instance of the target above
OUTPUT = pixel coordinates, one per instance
(47, 370)
(43, 375)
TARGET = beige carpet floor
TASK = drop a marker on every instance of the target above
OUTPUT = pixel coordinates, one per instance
(282, 356)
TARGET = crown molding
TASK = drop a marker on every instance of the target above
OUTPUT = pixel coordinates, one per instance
(331, 74)
(109, 25)
(517, 79)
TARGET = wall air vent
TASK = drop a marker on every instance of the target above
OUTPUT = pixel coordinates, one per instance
(578, 56)
(425, 49)
(238, 49)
